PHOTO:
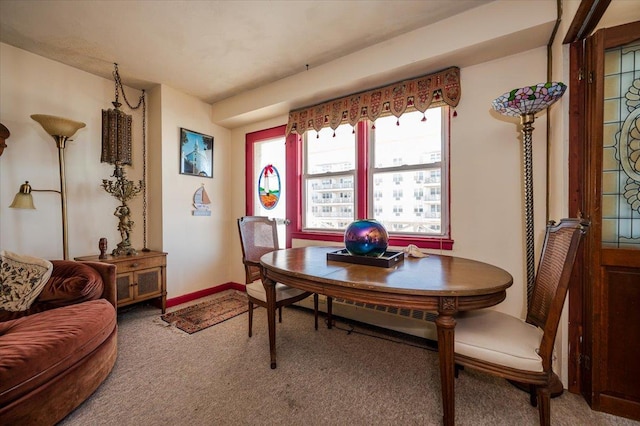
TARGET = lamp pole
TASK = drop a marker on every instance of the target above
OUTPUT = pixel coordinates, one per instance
(60, 129)
(527, 155)
(60, 143)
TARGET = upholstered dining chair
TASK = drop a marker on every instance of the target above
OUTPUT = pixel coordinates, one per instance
(259, 235)
(522, 350)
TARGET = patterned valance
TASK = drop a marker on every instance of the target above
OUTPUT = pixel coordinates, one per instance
(432, 90)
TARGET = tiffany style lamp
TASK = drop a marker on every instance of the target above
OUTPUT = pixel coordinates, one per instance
(525, 103)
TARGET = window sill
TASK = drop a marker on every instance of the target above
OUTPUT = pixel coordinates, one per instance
(394, 241)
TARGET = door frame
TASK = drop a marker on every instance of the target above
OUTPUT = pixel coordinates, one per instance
(587, 326)
(291, 182)
(586, 19)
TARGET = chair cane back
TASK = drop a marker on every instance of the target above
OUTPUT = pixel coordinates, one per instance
(258, 236)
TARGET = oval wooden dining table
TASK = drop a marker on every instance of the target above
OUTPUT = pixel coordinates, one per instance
(436, 283)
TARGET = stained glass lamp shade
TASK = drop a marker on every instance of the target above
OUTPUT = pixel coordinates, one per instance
(528, 99)
(525, 103)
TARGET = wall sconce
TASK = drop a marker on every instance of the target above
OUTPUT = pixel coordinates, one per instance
(61, 129)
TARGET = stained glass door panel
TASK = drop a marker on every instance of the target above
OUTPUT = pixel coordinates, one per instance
(621, 148)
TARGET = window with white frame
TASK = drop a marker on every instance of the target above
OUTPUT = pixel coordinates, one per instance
(385, 163)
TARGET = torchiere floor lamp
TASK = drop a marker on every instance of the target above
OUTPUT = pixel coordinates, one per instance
(61, 129)
(526, 103)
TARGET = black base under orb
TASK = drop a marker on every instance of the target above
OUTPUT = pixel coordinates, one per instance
(387, 260)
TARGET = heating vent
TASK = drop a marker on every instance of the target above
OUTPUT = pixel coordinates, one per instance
(408, 313)
(409, 321)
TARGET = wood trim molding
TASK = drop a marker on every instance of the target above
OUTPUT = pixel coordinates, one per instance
(585, 20)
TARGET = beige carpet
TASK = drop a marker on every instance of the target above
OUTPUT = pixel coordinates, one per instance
(343, 376)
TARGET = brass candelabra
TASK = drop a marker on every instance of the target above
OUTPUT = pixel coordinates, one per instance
(123, 190)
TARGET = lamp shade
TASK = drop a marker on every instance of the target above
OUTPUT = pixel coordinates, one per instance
(116, 137)
(529, 99)
(58, 126)
(23, 199)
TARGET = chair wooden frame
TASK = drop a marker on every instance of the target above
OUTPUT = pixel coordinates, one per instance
(551, 284)
(251, 259)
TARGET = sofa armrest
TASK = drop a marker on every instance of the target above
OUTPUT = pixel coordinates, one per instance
(108, 273)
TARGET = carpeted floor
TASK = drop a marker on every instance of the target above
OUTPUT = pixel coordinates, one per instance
(349, 375)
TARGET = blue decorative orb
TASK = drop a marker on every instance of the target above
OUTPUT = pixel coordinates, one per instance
(366, 237)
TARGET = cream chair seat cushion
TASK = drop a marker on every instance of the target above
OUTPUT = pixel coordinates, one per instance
(256, 290)
(498, 338)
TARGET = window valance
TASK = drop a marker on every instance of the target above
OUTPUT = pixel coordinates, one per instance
(432, 90)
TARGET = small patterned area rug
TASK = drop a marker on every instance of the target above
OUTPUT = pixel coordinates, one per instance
(208, 313)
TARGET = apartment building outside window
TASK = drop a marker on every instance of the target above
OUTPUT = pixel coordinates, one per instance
(385, 163)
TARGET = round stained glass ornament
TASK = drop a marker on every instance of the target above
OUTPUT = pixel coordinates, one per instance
(366, 237)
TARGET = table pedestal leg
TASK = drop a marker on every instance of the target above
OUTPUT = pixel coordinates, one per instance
(446, 325)
(270, 290)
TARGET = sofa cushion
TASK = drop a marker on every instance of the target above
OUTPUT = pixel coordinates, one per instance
(37, 348)
(71, 282)
(21, 280)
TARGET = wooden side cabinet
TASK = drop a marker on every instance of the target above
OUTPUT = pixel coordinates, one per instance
(139, 277)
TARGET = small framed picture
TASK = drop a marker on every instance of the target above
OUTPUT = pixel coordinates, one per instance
(196, 154)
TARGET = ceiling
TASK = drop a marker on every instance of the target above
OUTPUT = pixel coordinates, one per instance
(210, 49)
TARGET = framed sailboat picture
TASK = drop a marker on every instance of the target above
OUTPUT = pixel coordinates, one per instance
(196, 153)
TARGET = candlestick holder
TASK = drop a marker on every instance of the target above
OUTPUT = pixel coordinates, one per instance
(123, 190)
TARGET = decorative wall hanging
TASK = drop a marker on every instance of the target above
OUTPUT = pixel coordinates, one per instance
(116, 150)
(525, 103)
(201, 202)
(196, 154)
(432, 90)
(269, 186)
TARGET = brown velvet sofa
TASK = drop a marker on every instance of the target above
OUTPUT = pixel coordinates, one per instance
(55, 355)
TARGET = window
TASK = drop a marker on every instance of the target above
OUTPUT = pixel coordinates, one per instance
(373, 172)
(329, 176)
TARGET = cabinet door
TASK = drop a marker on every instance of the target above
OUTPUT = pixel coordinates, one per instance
(148, 283)
(125, 285)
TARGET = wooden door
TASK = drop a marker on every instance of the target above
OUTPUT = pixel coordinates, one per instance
(610, 359)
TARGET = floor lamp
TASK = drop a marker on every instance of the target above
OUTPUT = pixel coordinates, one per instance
(525, 103)
(61, 129)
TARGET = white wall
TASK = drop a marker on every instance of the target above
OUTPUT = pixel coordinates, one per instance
(487, 215)
(198, 256)
(197, 246)
(31, 84)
